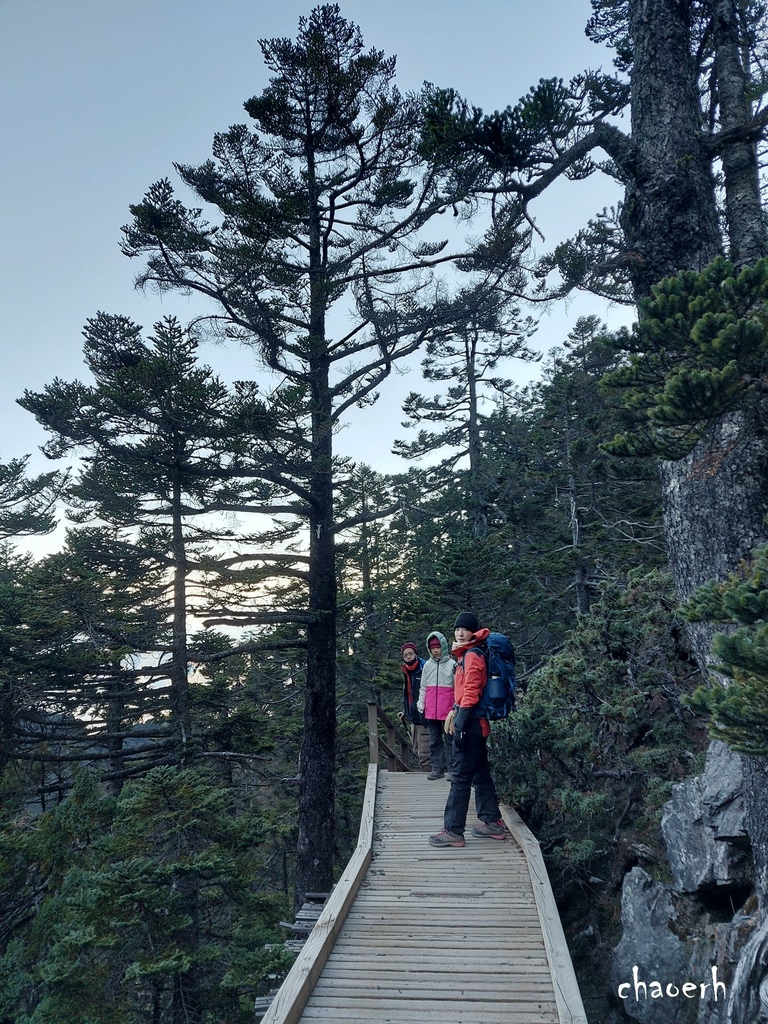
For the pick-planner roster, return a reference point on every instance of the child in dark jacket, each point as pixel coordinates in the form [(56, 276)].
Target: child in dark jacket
[(436, 702), (412, 668)]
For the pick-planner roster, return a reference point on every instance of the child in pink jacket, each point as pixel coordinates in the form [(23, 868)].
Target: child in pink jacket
[(436, 701)]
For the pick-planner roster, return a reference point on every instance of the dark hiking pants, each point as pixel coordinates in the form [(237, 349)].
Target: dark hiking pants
[(471, 768)]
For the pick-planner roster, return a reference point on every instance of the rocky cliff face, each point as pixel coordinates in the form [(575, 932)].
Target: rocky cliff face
[(703, 828), (692, 951)]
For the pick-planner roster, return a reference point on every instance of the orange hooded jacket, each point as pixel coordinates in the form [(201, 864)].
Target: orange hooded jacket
[(471, 676)]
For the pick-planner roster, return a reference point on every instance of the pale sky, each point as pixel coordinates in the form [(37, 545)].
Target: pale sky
[(99, 97)]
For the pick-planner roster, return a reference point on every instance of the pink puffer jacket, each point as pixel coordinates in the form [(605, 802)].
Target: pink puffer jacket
[(436, 693)]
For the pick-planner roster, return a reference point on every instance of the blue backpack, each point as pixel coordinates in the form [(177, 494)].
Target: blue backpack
[(498, 697)]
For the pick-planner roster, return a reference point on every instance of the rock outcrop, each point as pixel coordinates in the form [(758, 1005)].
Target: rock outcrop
[(649, 950), (703, 827), (688, 937)]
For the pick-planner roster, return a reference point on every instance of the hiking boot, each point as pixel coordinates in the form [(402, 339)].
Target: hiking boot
[(435, 775), (490, 830), (447, 838)]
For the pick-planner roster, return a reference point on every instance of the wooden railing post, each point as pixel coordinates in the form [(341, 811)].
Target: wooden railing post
[(392, 744), (405, 749), (377, 746), (567, 995), (373, 732)]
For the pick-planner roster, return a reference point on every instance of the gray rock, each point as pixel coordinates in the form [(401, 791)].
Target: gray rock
[(649, 950), (722, 795), (675, 934), (717, 944), (748, 1003), (668, 940), (703, 826), (695, 860)]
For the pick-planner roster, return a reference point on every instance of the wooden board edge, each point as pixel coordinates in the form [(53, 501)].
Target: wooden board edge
[(292, 996), (570, 1006)]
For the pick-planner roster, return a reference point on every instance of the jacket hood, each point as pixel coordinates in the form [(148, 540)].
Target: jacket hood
[(445, 647), (476, 639)]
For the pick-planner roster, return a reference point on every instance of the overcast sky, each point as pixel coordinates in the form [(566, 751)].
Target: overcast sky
[(99, 97)]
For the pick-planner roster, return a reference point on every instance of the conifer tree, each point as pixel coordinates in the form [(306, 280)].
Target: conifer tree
[(370, 571), (739, 712), (69, 623), (565, 515), (467, 360), (692, 108), (695, 356), (685, 74), (155, 435), (150, 906), (316, 212), (72, 622), (27, 505), (610, 508)]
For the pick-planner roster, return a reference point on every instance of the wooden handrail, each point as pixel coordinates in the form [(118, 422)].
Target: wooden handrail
[(288, 1005), (377, 746), (570, 1007)]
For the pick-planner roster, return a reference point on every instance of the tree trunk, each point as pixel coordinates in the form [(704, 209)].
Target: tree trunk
[(715, 499), (315, 847), (746, 227), (317, 809), (115, 723), (9, 713), (182, 719), (186, 1004), (669, 216), (581, 573), (476, 498)]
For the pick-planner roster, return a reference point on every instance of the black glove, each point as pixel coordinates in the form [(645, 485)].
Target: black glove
[(460, 723), (462, 719)]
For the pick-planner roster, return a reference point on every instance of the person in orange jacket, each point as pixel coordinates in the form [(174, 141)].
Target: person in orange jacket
[(470, 742)]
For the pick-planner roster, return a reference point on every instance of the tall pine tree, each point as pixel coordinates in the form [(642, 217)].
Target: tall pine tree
[(159, 437), (314, 257)]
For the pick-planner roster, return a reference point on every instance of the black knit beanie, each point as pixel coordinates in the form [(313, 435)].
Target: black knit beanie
[(468, 620)]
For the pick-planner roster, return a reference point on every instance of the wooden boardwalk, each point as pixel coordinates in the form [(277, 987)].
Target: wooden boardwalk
[(418, 935)]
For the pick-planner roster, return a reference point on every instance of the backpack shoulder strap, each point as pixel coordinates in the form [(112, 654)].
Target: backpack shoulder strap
[(483, 650)]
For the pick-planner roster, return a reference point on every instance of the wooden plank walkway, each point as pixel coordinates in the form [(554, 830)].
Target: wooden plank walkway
[(456, 936)]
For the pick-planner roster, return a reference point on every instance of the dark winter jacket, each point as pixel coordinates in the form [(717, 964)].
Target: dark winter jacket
[(411, 686)]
